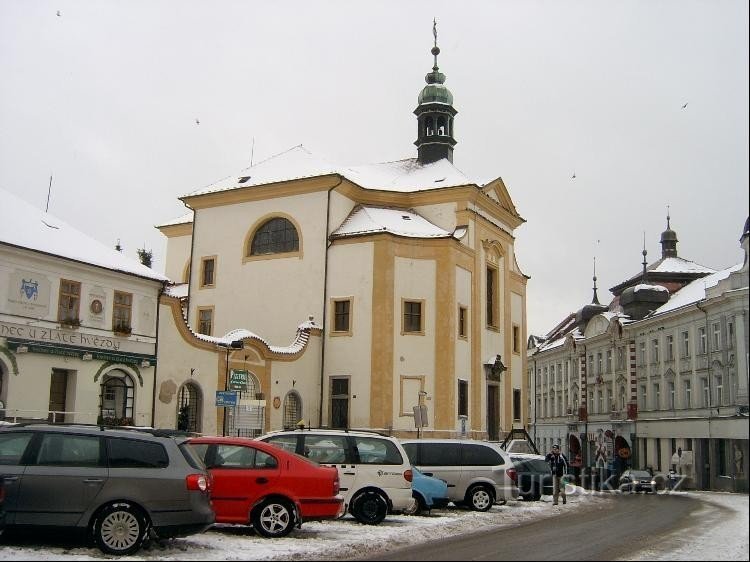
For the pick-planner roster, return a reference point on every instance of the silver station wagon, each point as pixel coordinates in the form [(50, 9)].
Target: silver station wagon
[(117, 484)]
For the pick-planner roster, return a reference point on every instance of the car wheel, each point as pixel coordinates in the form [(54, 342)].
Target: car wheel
[(480, 498), (120, 529), (536, 494), (369, 508), (273, 518)]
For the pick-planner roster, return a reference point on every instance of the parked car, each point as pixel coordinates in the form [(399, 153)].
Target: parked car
[(534, 476), (116, 484), (479, 473), (374, 470), (255, 483), (637, 481), (428, 491)]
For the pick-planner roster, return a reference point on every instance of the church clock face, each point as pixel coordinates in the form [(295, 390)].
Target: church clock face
[(96, 306)]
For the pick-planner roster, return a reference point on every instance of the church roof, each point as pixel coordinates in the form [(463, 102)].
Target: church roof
[(371, 220), (299, 163), (24, 226), (666, 269)]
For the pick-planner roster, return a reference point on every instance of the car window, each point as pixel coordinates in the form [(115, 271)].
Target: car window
[(538, 465), (411, 452), (323, 449), (194, 456), (480, 455), (372, 450), (264, 460), (439, 454), (233, 456), (132, 453), (286, 442), (12, 447), (199, 450), (60, 449)]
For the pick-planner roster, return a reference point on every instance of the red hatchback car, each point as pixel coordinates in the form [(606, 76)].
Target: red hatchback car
[(258, 484)]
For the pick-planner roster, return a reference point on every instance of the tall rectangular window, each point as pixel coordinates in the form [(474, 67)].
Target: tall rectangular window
[(705, 393), (492, 320), (730, 335), (206, 321), (517, 404), (670, 395), (462, 319), (686, 344), (719, 390), (642, 352), (702, 340), (609, 361), (208, 272), (340, 402), (670, 348), (657, 397), (516, 339), (122, 312), (620, 358), (716, 336), (69, 302), (655, 350), (642, 397), (412, 317), (463, 397), (688, 398), (342, 315), (599, 369)]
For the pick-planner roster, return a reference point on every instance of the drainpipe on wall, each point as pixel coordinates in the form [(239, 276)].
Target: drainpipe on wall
[(325, 300), (707, 464), (190, 265), (156, 354)]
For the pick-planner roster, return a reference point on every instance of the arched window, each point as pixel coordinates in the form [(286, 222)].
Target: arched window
[(117, 396), (429, 126), (275, 236), (441, 129), (189, 408), (292, 410)]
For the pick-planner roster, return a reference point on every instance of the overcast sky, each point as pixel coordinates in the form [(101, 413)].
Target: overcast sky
[(104, 96)]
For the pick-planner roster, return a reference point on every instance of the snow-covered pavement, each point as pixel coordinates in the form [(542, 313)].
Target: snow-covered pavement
[(346, 539)]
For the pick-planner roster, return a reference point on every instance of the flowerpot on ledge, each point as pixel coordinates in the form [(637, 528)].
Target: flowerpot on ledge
[(122, 330)]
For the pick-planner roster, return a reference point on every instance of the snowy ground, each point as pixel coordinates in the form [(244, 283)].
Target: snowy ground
[(346, 539)]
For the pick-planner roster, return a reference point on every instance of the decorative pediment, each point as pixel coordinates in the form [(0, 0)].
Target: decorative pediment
[(670, 374), (621, 379), (597, 325), (497, 191)]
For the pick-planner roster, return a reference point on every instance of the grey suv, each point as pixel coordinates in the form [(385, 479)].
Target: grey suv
[(117, 484)]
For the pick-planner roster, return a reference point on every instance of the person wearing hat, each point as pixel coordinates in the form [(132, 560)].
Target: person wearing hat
[(558, 466)]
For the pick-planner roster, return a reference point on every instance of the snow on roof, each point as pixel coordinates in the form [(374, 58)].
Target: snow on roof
[(300, 339), (187, 218), (25, 226), (695, 291), (368, 220), (646, 287), (179, 291), (298, 163), (678, 265), (406, 175)]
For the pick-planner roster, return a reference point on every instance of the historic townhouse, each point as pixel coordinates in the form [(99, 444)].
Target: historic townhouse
[(77, 324), (659, 378), (396, 284)]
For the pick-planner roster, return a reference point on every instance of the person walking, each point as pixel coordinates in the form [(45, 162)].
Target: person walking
[(558, 466)]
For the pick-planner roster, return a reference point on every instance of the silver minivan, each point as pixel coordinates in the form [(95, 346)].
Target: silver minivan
[(479, 473)]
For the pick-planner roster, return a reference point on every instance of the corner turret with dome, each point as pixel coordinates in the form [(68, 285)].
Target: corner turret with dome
[(435, 113)]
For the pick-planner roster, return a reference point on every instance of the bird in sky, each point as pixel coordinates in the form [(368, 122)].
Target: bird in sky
[(197, 122), (573, 176), (685, 105), (58, 13)]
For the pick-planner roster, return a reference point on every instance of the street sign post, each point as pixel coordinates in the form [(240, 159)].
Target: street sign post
[(226, 398)]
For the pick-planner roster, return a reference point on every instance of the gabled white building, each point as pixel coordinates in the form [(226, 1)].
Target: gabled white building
[(77, 323)]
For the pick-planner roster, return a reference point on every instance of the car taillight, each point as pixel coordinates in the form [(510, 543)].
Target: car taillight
[(513, 474), (336, 487), (408, 475), (197, 482)]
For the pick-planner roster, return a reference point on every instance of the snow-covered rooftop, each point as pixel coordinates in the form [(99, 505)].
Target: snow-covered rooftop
[(369, 220), (184, 219), (298, 163), (678, 265), (695, 291), (25, 226)]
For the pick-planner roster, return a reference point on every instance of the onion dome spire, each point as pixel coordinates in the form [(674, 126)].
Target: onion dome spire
[(668, 241), (435, 114)]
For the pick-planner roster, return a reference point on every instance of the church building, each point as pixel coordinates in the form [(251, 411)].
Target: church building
[(383, 296)]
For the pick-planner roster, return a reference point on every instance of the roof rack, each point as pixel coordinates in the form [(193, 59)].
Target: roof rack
[(157, 432)]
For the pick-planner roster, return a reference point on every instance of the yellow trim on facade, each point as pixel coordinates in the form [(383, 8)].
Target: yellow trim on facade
[(332, 332), (177, 230)]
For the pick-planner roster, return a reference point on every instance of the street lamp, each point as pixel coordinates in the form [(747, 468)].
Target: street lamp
[(236, 344)]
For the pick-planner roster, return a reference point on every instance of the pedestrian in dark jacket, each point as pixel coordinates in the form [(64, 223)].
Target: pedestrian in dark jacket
[(558, 466)]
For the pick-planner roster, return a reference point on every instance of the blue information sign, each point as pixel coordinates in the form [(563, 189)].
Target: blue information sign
[(226, 398)]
